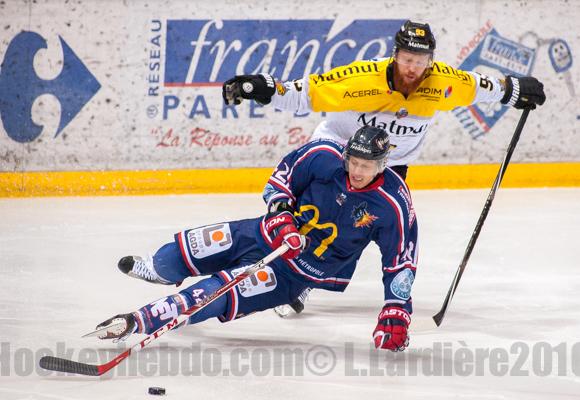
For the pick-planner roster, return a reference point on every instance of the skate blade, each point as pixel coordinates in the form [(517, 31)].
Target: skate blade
[(103, 331)]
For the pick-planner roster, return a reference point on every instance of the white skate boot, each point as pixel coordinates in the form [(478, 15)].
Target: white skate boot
[(141, 268), (297, 305)]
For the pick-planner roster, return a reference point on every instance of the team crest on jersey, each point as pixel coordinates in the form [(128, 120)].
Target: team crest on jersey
[(362, 217), (402, 113), (208, 240)]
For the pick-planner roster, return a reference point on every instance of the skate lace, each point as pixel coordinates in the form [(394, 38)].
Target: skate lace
[(142, 269), (304, 295)]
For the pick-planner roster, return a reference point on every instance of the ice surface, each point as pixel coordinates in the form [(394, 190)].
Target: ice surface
[(519, 300)]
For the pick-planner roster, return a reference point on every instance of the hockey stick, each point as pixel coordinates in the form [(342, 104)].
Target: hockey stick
[(64, 365), (438, 318)]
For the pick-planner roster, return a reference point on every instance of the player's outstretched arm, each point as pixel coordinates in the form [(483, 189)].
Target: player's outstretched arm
[(518, 92), (398, 242), (288, 96)]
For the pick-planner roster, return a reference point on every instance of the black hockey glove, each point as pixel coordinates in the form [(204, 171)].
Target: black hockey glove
[(252, 87), (524, 92)]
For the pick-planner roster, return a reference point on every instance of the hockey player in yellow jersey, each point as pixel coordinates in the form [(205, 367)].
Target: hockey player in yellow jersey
[(401, 94)]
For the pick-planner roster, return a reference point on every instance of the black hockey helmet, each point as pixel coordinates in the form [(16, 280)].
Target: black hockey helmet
[(415, 37), (369, 143)]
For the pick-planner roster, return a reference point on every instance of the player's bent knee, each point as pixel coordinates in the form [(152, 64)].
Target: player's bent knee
[(168, 263)]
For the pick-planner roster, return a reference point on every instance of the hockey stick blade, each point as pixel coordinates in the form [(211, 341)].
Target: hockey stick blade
[(73, 367), (438, 318), (64, 365)]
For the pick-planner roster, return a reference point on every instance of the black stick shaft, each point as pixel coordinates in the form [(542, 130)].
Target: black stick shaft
[(438, 318)]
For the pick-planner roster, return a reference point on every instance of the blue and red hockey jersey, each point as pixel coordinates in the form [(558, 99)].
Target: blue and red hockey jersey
[(341, 221)]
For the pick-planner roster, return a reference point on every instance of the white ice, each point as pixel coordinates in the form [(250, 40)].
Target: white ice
[(519, 300)]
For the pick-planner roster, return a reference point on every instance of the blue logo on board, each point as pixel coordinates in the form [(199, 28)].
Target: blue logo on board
[(205, 51), (20, 86), (495, 55)]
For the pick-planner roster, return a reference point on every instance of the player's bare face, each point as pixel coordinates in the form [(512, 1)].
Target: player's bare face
[(410, 67), (361, 172)]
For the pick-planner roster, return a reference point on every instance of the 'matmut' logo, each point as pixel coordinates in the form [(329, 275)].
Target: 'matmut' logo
[(394, 127), (345, 72), (20, 86), (419, 45), (446, 69)]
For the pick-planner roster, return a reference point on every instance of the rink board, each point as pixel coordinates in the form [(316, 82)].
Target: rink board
[(137, 85), (82, 183)]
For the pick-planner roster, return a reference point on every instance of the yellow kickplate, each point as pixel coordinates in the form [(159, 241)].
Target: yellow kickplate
[(96, 183)]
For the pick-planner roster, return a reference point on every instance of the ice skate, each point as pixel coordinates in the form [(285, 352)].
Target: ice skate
[(141, 268), (118, 328), (297, 305)]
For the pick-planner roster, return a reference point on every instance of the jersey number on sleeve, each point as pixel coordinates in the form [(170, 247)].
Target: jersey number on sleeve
[(485, 83), (281, 175)]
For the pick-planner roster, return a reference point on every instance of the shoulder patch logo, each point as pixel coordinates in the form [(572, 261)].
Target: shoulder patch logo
[(344, 72), (362, 217), (402, 283)]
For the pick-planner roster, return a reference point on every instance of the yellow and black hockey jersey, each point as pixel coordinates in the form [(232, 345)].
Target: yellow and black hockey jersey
[(361, 93)]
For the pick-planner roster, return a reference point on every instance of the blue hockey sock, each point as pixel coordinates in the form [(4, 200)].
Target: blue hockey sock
[(169, 264), (154, 315)]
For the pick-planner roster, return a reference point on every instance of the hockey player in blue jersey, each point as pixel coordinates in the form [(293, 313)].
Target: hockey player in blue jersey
[(327, 203), (403, 94)]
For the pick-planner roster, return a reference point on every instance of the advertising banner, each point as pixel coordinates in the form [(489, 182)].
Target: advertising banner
[(136, 85)]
